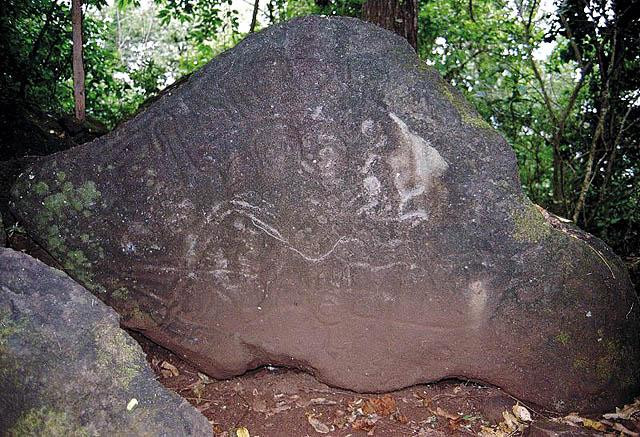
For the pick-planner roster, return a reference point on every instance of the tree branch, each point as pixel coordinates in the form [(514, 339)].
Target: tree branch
[(254, 17)]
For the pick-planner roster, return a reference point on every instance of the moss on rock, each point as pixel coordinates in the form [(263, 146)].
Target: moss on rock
[(117, 354), (467, 115), (41, 188), (529, 225), (46, 422), (62, 203), (8, 327)]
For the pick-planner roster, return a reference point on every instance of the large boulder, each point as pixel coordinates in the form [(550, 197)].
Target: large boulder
[(3, 235), (66, 367), (318, 198)]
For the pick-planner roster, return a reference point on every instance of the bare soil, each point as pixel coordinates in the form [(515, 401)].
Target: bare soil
[(285, 402)]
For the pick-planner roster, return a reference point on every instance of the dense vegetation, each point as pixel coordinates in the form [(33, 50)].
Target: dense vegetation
[(560, 80)]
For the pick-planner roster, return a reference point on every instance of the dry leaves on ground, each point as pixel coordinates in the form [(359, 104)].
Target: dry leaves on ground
[(168, 370), (382, 406), (242, 432), (612, 423), (514, 423), (318, 425), (361, 414)]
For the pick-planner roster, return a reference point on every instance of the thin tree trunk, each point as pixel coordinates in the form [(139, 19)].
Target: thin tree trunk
[(36, 48), (607, 76), (586, 182), (559, 123), (612, 157), (254, 17), (78, 68), (399, 16)]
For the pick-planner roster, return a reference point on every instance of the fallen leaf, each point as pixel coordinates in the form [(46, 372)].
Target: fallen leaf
[(319, 426), (511, 421), (444, 413), (205, 379), (341, 419), (624, 430), (572, 419), (594, 424), (242, 432), (382, 406), (625, 412), (168, 370), (321, 401), (132, 404), (198, 390), (521, 413), (400, 418), (364, 424), (486, 431)]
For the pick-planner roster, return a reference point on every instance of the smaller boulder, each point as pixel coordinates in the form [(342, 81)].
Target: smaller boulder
[(66, 367)]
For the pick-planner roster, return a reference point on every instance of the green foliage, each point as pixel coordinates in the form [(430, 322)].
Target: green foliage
[(35, 54)]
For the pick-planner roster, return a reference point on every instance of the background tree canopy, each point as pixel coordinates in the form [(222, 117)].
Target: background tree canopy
[(561, 80)]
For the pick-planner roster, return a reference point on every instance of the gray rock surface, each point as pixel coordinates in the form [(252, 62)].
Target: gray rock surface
[(318, 198), (68, 369)]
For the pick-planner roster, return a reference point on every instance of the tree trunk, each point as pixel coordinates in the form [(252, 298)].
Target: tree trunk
[(586, 182), (399, 16), (254, 17), (78, 68), (559, 200)]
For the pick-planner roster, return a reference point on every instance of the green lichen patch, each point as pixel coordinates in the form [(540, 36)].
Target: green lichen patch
[(63, 204), (57, 205), (140, 318), (529, 225), (9, 327), (608, 364), (41, 188), (121, 293), (563, 338), (117, 354), (580, 364), (88, 194), (46, 422), (467, 115)]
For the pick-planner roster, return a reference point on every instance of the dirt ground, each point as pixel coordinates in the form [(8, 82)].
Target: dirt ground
[(285, 402), (273, 402)]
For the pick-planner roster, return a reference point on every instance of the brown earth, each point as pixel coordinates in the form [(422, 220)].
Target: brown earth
[(283, 402), (273, 402)]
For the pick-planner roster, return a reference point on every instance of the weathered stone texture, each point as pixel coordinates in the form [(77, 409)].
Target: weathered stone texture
[(66, 367), (318, 198), (3, 235)]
